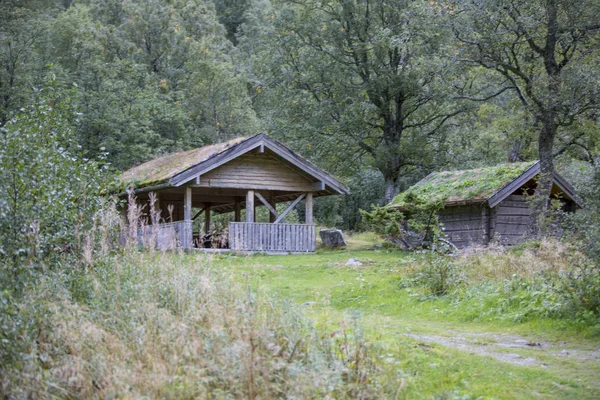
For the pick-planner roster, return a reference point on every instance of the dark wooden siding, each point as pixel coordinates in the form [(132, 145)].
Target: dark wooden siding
[(511, 221), (464, 225)]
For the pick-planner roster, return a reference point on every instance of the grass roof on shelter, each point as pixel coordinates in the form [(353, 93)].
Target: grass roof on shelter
[(163, 168), (465, 186)]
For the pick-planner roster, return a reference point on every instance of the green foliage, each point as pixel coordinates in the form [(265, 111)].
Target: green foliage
[(397, 223), (48, 191), (364, 88), (455, 186), (439, 274), (366, 188), (191, 329), (579, 289)]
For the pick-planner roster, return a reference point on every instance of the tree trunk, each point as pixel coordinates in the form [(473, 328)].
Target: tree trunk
[(544, 187), (391, 189), (514, 154)]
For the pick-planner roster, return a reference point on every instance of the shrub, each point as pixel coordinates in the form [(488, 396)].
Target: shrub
[(579, 289), (438, 274), (168, 325), (48, 191)]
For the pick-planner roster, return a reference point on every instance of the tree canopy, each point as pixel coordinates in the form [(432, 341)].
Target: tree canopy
[(380, 93)]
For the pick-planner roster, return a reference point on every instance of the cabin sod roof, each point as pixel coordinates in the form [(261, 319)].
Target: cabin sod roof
[(462, 187), (162, 169), (177, 169)]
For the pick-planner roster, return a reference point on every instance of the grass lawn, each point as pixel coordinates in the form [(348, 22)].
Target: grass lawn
[(444, 349)]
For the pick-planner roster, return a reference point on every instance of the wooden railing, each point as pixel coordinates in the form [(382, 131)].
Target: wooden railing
[(166, 236), (251, 236)]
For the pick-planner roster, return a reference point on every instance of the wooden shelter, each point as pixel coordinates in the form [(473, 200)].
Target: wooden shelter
[(487, 204), (230, 177)]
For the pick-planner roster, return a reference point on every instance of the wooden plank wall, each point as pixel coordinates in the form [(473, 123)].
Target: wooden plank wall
[(166, 236), (463, 225), (258, 172), (246, 236), (511, 221)]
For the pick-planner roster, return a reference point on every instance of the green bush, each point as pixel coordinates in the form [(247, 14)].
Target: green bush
[(579, 289), (439, 275), (49, 192)]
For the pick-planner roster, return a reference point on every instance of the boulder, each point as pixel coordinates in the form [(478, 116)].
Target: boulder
[(353, 262), (332, 238)]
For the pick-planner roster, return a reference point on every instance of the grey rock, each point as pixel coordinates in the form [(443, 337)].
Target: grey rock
[(332, 238), (353, 262)]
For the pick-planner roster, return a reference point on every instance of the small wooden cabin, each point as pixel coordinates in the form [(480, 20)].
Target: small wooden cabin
[(489, 204), (230, 177)]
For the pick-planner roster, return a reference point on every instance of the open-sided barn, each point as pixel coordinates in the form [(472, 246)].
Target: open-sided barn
[(229, 177), (487, 204)]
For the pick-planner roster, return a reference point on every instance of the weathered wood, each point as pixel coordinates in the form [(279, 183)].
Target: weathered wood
[(474, 225), (263, 185), (245, 236), (474, 216), (520, 229), (512, 211), (317, 186), (207, 219), (187, 207), (272, 209), (256, 172), (273, 203), (517, 204), (198, 214), (287, 210), (518, 219), (237, 210), (308, 208), (514, 185), (485, 224), (250, 206)]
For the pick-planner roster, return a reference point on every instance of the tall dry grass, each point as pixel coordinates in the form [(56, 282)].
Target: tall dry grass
[(155, 324), (548, 256)]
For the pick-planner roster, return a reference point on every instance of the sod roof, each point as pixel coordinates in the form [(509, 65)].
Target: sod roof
[(164, 168), (465, 186)]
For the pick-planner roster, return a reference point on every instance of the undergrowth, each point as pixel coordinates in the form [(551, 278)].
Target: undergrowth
[(547, 279), (158, 325)]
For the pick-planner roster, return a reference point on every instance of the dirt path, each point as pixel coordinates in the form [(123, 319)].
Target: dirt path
[(514, 349)]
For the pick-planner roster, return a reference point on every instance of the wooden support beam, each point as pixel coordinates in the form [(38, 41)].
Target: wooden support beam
[(485, 223), (267, 204), (198, 214), (187, 204), (261, 148), (237, 210), (207, 219), (287, 210), (250, 206), (308, 203), (317, 186), (273, 203)]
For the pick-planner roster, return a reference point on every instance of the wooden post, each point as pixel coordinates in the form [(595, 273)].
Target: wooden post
[(485, 224), (187, 204), (207, 218), (272, 217), (308, 202), (250, 206), (238, 210), (186, 234)]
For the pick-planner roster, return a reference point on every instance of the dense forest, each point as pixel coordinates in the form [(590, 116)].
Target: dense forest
[(379, 92)]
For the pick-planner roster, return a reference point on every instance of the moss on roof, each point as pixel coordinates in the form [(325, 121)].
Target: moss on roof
[(468, 186), (164, 168)]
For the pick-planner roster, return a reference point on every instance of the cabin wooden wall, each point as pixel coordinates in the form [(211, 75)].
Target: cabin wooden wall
[(256, 172), (511, 221), (463, 225)]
